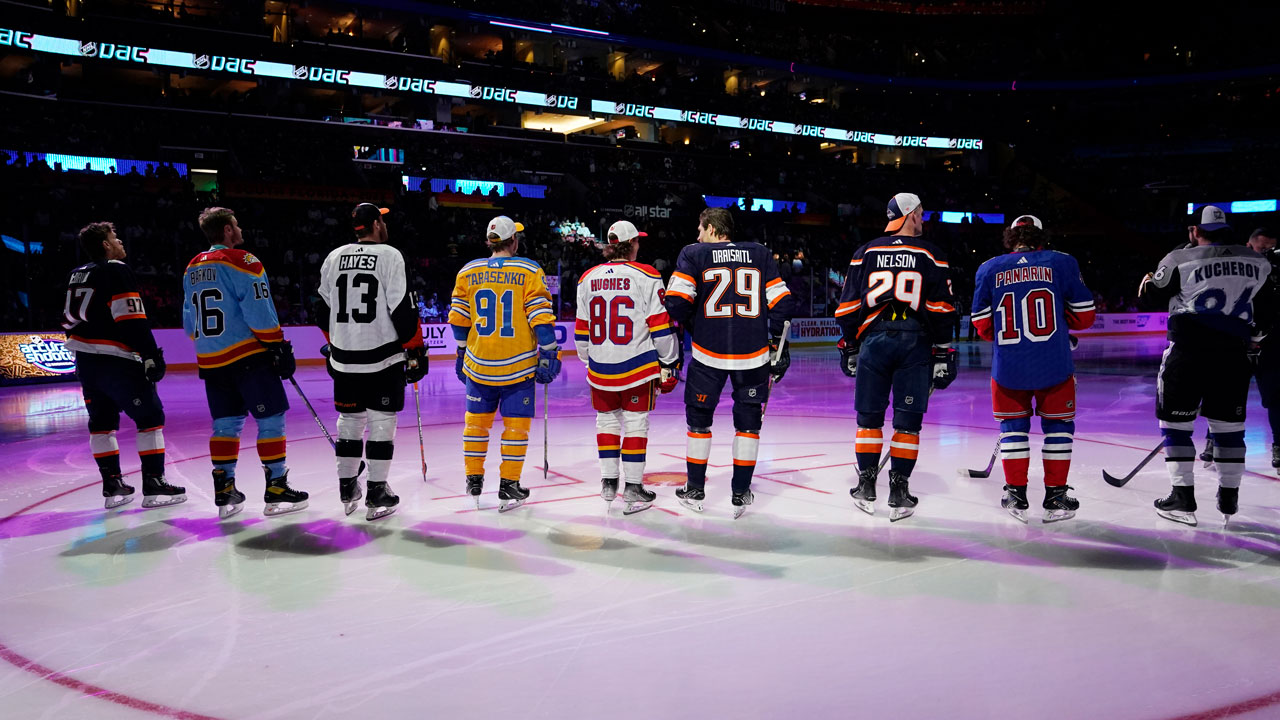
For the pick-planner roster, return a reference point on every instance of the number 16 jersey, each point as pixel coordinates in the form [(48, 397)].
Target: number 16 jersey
[(366, 311)]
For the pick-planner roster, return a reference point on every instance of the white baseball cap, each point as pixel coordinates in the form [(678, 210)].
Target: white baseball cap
[(900, 206), (1212, 217), (1027, 220), (622, 231), (504, 227)]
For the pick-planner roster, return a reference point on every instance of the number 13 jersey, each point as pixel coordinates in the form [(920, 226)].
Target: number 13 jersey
[(497, 302), (366, 310)]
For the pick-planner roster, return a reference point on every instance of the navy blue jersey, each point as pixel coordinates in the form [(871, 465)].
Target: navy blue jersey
[(733, 300), (898, 278), (103, 313), (1026, 302)]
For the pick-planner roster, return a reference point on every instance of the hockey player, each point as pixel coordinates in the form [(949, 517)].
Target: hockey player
[(118, 364), (375, 348), (731, 295), (504, 326), (1267, 355), (1210, 288), (1026, 301), (896, 315), (242, 356), (623, 336)]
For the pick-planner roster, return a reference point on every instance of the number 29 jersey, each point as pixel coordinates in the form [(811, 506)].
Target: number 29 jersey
[(366, 312), (1026, 302), (227, 307), (732, 298), (897, 279), (496, 304)]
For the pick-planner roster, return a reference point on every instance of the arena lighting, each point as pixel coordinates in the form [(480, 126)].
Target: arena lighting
[(578, 29), (1239, 206), (757, 204), (334, 76), (520, 27), (92, 163), (477, 187), (16, 245), (956, 218)]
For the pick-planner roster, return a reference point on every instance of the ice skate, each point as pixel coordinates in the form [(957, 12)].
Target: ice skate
[(1015, 501), (280, 498), (1058, 505), (349, 492), (475, 486), (902, 503), (1207, 455), (158, 493), (609, 489), (226, 497), (1180, 506), (380, 501), (637, 498), (1228, 504), (1275, 456), (740, 503), (691, 497), (864, 496), (510, 495), (115, 492)]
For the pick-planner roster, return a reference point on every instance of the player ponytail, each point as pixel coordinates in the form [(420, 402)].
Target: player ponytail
[(1028, 236)]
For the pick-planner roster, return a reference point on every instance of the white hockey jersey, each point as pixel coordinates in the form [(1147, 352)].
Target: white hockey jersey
[(366, 312), (622, 331)]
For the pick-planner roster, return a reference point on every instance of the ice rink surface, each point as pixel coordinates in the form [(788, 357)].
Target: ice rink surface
[(803, 608)]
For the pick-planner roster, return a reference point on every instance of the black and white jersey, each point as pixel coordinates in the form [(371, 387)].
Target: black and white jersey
[(366, 311), (1210, 290), (103, 312)]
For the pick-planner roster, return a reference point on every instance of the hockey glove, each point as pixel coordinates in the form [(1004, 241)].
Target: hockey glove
[(153, 366), (282, 358), (848, 358), (670, 378), (457, 366), (1073, 341), (944, 366), (415, 364), (1254, 353), (778, 361), (548, 364)]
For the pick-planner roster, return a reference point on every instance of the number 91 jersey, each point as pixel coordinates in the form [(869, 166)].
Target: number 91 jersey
[(496, 304), (227, 307), (366, 310), (1026, 302)]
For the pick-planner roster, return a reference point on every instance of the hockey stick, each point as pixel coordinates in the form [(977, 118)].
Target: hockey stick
[(546, 463), (422, 452), (990, 466), (320, 422), (782, 344), (1119, 482)]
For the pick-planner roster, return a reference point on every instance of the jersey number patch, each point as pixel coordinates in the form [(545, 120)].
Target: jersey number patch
[(745, 282), (1039, 317), (487, 304), (367, 286), (905, 286), (82, 295), (210, 320), (609, 322)]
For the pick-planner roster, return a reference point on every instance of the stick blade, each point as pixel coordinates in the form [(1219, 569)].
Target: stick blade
[(975, 474), (1114, 481)]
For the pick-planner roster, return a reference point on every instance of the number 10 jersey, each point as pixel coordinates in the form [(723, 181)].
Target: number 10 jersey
[(366, 311)]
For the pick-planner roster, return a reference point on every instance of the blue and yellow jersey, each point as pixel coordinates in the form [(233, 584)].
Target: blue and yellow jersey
[(497, 303), (227, 307)]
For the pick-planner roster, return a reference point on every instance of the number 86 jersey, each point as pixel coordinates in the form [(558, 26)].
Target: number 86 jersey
[(623, 333)]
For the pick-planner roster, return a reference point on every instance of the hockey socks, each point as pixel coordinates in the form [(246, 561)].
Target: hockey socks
[(106, 452), (1015, 451), (608, 443), (746, 446), (381, 445), (151, 450), (698, 449), (224, 445), (515, 441), (635, 444), (350, 446), (868, 446), (1056, 452), (1228, 452), (271, 444), (475, 441), (904, 448), (1179, 451)]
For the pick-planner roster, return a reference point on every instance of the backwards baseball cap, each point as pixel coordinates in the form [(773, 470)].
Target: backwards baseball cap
[(1027, 220), (902, 205), (504, 227), (1211, 217), (365, 215), (622, 231)]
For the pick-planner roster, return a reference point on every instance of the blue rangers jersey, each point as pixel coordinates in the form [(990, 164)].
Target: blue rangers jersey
[(732, 298), (227, 307), (1026, 302)]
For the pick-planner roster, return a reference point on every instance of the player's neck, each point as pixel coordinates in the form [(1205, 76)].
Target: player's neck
[(714, 240), (503, 254)]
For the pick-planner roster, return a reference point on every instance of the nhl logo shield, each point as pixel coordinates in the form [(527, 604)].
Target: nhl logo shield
[(300, 71), (89, 49), (201, 62), (475, 91), (391, 82)]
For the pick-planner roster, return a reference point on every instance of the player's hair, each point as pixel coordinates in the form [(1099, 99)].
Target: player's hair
[(213, 220), (1025, 235), (1217, 237), (93, 235), (497, 244), (617, 251), (718, 219), (1263, 231)]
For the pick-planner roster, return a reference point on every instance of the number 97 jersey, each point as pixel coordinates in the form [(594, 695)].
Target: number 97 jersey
[(1026, 302)]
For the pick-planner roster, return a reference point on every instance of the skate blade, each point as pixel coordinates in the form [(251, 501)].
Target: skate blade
[(739, 511), (377, 513), (275, 509), (900, 513), (226, 511), (350, 507), (634, 507), (117, 501), (1051, 516), (1177, 516), (694, 505), (508, 505), (866, 506), (1208, 463), (1226, 522), (477, 499), (157, 501), (1019, 514)]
